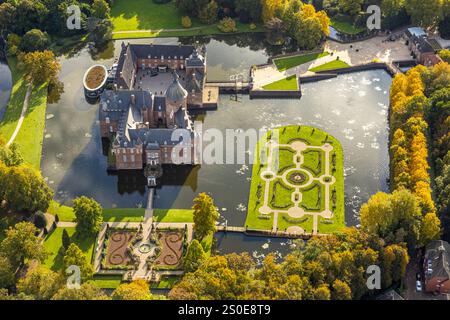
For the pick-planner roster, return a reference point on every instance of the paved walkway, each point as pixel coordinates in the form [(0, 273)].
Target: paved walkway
[(354, 54), (26, 102)]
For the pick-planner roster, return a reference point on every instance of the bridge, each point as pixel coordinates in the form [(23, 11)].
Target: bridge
[(230, 86)]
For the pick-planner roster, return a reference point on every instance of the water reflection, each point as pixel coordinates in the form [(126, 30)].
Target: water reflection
[(352, 107), (5, 86)]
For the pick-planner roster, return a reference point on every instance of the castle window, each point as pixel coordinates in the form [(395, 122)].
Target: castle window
[(124, 157), (132, 158), (107, 120)]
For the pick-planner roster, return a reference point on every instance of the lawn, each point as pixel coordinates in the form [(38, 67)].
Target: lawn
[(124, 215), (332, 65), (167, 282), (293, 61), (345, 27), (53, 245), (173, 215), (106, 281), (127, 15), (65, 213), (289, 83), (203, 30), (313, 199), (31, 134)]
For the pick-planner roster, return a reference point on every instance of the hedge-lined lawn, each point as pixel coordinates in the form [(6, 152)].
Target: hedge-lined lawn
[(65, 213), (106, 281), (173, 215), (289, 83), (345, 27), (53, 245), (124, 215), (167, 282), (290, 62), (313, 195), (332, 65)]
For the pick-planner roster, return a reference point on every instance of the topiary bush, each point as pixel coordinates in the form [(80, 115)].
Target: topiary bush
[(186, 22), (39, 220)]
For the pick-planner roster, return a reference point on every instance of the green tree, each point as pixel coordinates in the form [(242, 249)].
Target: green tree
[(65, 239), (75, 257), (195, 256), (252, 7), (100, 9), (136, 290), (445, 55), (88, 213), (87, 291), (430, 228), (205, 215), (350, 7), (101, 32), (34, 40), (10, 156), (21, 243), (341, 290), (425, 13), (208, 14), (41, 283), (7, 16), (6, 273), (391, 8)]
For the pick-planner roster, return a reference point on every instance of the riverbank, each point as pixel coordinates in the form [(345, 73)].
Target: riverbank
[(31, 134)]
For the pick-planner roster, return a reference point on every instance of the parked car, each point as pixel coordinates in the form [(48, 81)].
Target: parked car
[(418, 286)]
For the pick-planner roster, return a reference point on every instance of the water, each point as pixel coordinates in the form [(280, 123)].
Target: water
[(351, 107), (257, 247), (5, 87)]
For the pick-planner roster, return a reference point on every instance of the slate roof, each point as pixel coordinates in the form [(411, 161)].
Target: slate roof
[(114, 103), (176, 92), (438, 252), (423, 44), (415, 31)]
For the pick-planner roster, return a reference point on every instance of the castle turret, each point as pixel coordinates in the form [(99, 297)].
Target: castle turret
[(176, 98)]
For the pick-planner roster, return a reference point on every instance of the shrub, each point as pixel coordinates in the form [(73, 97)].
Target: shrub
[(227, 25), (252, 26), (34, 40), (186, 22), (40, 221)]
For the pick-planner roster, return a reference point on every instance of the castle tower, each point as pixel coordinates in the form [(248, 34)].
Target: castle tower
[(176, 98)]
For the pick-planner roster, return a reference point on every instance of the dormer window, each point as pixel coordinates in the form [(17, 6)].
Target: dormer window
[(162, 57)]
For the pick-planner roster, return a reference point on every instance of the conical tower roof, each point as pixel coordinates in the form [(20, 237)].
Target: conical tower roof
[(176, 92)]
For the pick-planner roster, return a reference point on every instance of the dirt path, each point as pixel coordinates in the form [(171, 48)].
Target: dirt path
[(26, 102)]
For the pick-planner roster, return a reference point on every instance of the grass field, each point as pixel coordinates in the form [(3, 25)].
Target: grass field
[(164, 20), (65, 213), (290, 62), (345, 27), (53, 245), (173, 215), (31, 134), (106, 281), (332, 65), (167, 282), (289, 83), (313, 199)]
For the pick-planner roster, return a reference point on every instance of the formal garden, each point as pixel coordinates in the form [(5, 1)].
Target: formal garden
[(297, 182)]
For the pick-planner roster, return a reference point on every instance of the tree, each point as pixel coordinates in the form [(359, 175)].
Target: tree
[(136, 290), (322, 293), (101, 32), (88, 213), (252, 7), (87, 291), (350, 7), (100, 9), (205, 215), (6, 273), (7, 16), (40, 221), (195, 256), (75, 257), (10, 156), (65, 239), (309, 33), (341, 290), (21, 243), (208, 14), (23, 189), (430, 228), (40, 67), (391, 8), (186, 22), (29, 14), (445, 55), (40, 282), (34, 40), (425, 13)]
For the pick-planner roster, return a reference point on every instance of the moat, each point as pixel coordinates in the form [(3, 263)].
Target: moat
[(353, 108)]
